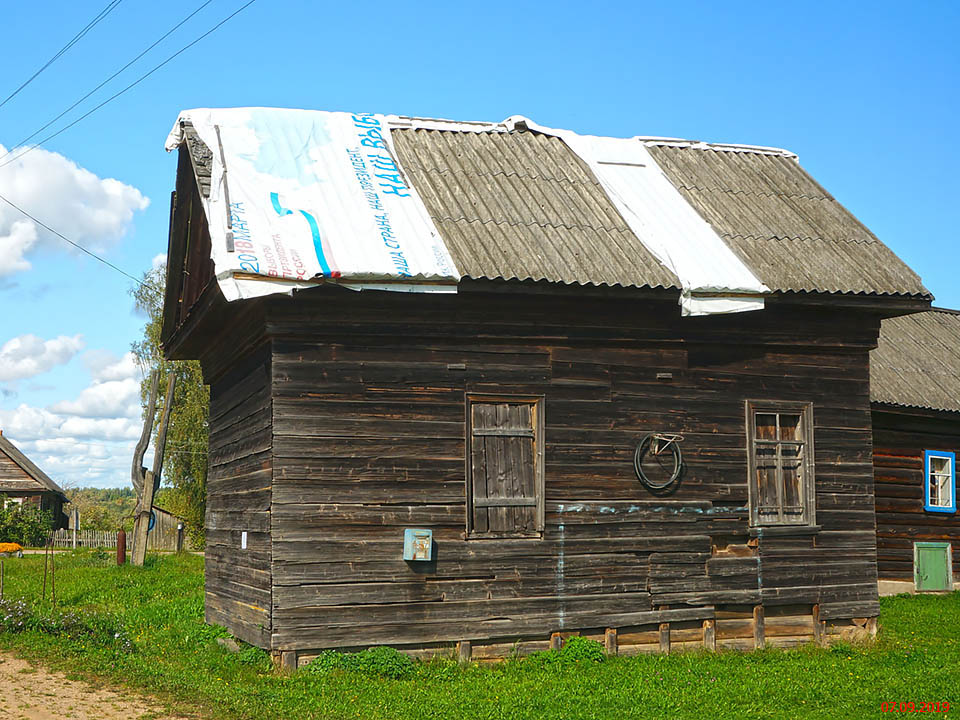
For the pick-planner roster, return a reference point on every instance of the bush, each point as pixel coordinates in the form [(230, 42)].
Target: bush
[(25, 524), (581, 649), (17, 616), (375, 662), (575, 650)]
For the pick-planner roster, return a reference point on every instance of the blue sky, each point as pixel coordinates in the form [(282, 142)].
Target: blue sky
[(866, 94)]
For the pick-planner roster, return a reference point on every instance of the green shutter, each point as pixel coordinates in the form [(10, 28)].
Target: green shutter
[(932, 566)]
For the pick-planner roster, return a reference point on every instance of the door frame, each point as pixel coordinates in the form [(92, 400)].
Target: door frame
[(916, 567)]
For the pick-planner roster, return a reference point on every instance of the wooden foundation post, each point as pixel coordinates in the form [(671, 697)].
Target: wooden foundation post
[(872, 625), (464, 652), (288, 660), (610, 641), (556, 641), (819, 627), (665, 637), (759, 639), (710, 634)]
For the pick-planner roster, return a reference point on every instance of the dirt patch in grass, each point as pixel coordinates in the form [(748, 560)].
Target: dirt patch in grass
[(32, 693)]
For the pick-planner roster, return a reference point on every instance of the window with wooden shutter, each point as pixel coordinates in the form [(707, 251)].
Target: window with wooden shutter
[(780, 463), (504, 466)]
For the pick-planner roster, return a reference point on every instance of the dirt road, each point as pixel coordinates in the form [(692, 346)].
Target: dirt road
[(33, 693)]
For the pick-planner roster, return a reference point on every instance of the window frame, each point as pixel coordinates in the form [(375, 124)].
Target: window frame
[(947, 455), (539, 484), (809, 491)]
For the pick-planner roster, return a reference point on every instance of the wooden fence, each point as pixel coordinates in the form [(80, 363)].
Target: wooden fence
[(85, 538), (164, 536)]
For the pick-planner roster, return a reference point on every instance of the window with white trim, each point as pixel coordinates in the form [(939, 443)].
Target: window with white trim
[(780, 463), (940, 481)]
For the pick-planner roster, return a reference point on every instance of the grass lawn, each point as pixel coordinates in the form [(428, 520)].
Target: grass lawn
[(143, 628)]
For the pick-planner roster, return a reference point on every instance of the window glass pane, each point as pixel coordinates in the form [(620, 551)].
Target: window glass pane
[(792, 478), (940, 465), (790, 428), (941, 482), (766, 426), (766, 458)]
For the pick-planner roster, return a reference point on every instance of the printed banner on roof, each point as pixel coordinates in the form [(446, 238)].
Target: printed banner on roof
[(298, 195)]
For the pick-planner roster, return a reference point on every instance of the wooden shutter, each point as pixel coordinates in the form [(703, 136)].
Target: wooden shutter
[(505, 480)]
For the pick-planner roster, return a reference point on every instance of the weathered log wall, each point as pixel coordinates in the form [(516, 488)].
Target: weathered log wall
[(238, 592), (900, 437), (368, 438)]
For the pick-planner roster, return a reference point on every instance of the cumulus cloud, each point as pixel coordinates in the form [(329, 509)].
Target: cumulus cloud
[(158, 261), (28, 355), (91, 210), (87, 440), (104, 365)]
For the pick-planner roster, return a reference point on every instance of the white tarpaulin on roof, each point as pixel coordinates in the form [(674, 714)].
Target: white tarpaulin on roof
[(298, 195), (713, 278)]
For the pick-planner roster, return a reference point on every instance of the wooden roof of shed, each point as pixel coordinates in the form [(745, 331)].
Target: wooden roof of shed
[(917, 361), (19, 474), (521, 205)]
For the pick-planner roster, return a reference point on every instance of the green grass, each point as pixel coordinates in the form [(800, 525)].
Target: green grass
[(175, 657)]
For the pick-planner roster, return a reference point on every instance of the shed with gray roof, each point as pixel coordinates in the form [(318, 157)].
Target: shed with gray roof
[(915, 397), (565, 450)]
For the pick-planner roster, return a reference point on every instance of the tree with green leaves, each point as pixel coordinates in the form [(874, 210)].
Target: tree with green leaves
[(185, 460)]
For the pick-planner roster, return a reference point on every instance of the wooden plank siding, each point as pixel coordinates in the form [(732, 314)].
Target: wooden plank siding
[(900, 437), (366, 435), (238, 585)]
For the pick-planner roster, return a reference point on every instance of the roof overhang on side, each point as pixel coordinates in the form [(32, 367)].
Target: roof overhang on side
[(190, 270)]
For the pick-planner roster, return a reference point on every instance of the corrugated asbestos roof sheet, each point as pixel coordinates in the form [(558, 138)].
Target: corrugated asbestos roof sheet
[(917, 361), (523, 206), (792, 234)]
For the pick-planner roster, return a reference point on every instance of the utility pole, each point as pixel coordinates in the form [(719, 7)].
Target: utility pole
[(145, 481)]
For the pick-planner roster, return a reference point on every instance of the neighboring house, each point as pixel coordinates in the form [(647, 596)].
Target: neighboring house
[(23, 482), (498, 466), (915, 394)]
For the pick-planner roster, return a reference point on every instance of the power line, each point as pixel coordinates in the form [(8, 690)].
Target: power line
[(118, 72), (133, 84), (76, 38), (76, 245)]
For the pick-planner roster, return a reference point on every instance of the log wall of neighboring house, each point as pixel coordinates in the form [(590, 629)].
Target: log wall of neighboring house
[(238, 499), (368, 438), (900, 438)]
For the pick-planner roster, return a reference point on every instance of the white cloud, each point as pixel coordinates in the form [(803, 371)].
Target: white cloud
[(27, 355), (158, 261), (92, 211), (89, 439), (104, 365), (113, 398)]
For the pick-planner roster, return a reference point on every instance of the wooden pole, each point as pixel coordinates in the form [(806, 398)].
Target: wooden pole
[(1, 579), (145, 506), (138, 471), (43, 595), (53, 576)]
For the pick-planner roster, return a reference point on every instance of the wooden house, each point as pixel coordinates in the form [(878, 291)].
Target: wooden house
[(915, 401), (586, 458), (23, 482)]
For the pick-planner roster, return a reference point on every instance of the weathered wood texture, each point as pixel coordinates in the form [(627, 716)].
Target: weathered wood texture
[(238, 500), (900, 437), (368, 437)]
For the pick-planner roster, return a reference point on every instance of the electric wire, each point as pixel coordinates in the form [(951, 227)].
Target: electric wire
[(76, 245), (118, 72), (76, 38), (131, 85)]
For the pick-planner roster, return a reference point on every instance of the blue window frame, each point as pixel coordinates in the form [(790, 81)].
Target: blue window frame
[(939, 481)]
